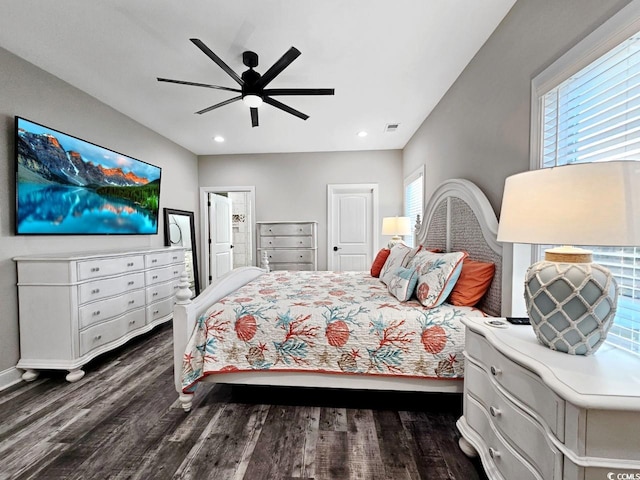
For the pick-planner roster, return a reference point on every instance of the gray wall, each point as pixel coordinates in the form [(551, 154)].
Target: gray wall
[(32, 93), (293, 186), (480, 129)]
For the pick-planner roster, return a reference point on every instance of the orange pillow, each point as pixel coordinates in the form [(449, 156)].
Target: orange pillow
[(473, 283), (378, 263)]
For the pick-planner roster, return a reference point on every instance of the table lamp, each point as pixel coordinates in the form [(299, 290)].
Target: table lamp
[(396, 226), (572, 301)]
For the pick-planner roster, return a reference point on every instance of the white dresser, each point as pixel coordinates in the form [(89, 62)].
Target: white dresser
[(533, 413), (288, 245), (75, 307)]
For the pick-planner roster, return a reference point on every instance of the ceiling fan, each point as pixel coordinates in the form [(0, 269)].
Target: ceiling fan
[(252, 85)]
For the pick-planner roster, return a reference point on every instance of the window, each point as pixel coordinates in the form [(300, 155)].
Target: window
[(413, 199), (593, 115)]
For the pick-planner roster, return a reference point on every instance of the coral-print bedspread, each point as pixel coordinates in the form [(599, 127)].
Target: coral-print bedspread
[(342, 323)]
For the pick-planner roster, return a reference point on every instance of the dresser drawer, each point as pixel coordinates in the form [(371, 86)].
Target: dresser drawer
[(508, 462), (90, 291), (159, 259), (104, 309), (160, 275), (290, 256), (112, 330), (285, 229), (291, 266), (109, 266), (516, 425), (162, 290), (522, 383), (286, 242), (160, 309)]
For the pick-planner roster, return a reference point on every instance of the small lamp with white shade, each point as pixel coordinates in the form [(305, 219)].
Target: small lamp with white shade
[(396, 226), (572, 301)]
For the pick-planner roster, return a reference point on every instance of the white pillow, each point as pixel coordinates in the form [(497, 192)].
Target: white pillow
[(396, 259), (438, 274)]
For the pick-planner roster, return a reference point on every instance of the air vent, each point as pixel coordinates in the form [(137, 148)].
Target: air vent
[(391, 127)]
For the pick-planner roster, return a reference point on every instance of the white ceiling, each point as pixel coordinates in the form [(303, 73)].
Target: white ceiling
[(389, 62)]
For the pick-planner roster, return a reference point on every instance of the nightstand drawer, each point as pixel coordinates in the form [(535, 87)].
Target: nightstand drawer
[(517, 426), (508, 462), (522, 383)]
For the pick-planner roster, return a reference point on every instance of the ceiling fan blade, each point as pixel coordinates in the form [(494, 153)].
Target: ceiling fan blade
[(198, 43), (181, 82), (284, 107), (221, 104), (254, 117), (299, 91), (278, 67)]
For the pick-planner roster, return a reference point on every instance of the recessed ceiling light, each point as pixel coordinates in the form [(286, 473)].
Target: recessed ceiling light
[(362, 133), (218, 139)]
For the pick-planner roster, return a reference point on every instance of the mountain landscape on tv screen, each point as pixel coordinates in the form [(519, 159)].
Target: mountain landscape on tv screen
[(59, 191)]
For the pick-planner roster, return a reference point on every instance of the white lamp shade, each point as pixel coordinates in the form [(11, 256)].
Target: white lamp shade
[(253, 101), (579, 204), (396, 226)]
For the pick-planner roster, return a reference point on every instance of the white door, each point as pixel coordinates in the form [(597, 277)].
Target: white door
[(352, 226), (220, 236)]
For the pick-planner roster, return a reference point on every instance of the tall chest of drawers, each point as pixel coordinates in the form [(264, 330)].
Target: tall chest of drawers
[(533, 413), (288, 245), (73, 308)]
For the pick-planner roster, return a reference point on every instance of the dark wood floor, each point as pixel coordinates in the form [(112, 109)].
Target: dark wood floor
[(122, 421)]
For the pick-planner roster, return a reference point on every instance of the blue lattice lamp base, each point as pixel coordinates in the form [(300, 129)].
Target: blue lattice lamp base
[(571, 304)]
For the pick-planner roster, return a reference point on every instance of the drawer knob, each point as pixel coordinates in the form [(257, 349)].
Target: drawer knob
[(495, 412), (95, 290), (155, 260), (155, 277), (130, 283), (175, 272), (155, 294), (132, 322), (95, 269), (495, 371), (155, 312), (130, 264), (131, 302), (96, 313), (175, 258), (97, 337), (493, 453)]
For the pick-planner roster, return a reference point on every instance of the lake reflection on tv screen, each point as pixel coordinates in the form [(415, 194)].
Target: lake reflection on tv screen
[(78, 210)]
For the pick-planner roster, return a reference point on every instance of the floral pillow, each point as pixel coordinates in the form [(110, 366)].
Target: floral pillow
[(403, 283), (395, 260), (438, 274)]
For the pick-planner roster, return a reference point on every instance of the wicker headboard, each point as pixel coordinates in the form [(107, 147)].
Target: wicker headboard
[(458, 217)]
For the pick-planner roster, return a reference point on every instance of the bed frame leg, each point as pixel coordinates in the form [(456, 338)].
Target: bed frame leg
[(185, 400)]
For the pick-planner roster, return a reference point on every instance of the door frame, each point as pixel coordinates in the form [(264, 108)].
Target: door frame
[(204, 224), (335, 188)]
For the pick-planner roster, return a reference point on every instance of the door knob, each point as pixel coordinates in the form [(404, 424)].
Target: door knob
[(335, 249)]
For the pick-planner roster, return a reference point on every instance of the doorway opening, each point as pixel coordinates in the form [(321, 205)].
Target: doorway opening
[(214, 231)]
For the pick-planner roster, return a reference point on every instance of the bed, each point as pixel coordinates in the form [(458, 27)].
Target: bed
[(338, 329)]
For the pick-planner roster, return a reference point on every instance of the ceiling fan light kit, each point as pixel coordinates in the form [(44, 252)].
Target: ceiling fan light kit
[(252, 85)]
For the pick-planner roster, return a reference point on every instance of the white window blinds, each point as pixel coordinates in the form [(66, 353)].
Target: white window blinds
[(594, 116), (413, 204)]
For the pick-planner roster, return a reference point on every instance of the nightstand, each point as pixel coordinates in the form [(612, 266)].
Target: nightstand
[(533, 413)]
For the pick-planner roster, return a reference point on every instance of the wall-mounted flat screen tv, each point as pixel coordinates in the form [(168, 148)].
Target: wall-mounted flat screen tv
[(68, 186)]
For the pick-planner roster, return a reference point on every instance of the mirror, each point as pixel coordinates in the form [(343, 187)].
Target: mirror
[(179, 231)]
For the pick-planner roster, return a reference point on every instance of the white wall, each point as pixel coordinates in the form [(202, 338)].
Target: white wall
[(32, 93), (293, 186)]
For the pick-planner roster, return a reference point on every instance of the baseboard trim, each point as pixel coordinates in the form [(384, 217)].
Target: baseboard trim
[(10, 377)]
